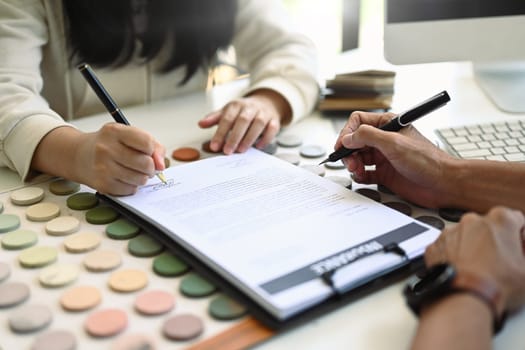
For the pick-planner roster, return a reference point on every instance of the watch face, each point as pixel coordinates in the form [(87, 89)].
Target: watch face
[(435, 283), (435, 277)]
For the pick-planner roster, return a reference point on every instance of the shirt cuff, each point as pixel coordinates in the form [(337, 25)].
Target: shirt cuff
[(20, 145)]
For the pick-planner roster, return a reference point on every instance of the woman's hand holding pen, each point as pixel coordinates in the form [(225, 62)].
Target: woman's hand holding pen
[(113, 160), (118, 158), (405, 161), (254, 119)]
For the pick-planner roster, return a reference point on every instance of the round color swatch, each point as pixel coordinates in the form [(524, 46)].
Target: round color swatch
[(128, 280), (80, 298), (101, 215), (194, 286), (400, 207), (384, 189), (289, 140), (82, 201), (27, 196), (369, 193), (291, 158), (19, 239), (13, 293), (62, 187), (335, 165), (270, 148), (102, 260), (315, 169), (186, 154), (55, 340), (144, 246), (206, 147), (30, 318), (106, 323), (183, 327), (432, 221), (37, 256), (5, 271), (82, 242), (58, 275), (168, 265), (224, 308), (154, 302), (451, 214), (62, 226), (9, 222), (44, 211), (312, 151), (122, 229), (134, 341), (167, 162)]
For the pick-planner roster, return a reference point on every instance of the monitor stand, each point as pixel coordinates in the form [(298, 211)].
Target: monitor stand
[(504, 83)]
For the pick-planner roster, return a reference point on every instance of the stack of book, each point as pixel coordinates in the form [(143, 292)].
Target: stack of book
[(367, 90)]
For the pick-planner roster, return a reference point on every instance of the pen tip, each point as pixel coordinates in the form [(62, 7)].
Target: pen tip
[(161, 177), (324, 161)]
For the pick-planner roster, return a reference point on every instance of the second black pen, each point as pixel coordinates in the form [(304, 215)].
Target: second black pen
[(398, 122)]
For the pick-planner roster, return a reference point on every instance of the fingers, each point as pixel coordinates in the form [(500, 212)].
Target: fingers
[(370, 136), (507, 219), (357, 119), (500, 227), (239, 127), (241, 123), (272, 128), (122, 158), (227, 118), (158, 157), (436, 252), (210, 119)]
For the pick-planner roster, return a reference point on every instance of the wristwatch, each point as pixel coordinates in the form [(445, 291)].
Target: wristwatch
[(444, 279)]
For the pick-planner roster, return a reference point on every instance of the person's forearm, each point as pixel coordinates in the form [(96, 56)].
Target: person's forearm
[(460, 321), (479, 185), (55, 154)]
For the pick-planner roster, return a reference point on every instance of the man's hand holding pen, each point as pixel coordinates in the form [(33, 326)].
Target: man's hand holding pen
[(404, 161)]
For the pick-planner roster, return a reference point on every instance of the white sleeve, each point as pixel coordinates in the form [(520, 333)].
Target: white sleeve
[(274, 55), (25, 116)]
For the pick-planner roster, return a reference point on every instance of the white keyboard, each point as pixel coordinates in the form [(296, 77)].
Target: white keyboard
[(495, 141)]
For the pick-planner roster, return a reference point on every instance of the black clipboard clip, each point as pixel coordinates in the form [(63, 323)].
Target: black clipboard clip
[(328, 276)]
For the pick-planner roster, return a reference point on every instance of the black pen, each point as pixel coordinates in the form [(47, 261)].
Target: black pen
[(106, 99), (398, 122)]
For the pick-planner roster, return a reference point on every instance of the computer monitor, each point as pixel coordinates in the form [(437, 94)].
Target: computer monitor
[(489, 33)]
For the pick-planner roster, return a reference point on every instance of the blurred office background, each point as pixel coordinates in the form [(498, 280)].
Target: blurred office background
[(336, 26)]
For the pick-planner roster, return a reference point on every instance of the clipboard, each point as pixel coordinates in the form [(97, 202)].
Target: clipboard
[(341, 293)]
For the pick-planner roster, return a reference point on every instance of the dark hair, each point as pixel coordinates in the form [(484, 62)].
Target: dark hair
[(102, 33)]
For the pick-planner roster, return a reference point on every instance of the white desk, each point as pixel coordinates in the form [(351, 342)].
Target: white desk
[(380, 320)]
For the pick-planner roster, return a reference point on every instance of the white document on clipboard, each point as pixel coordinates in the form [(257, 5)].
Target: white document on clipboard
[(275, 230)]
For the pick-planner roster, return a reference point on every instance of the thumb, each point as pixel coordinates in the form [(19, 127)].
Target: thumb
[(210, 120)]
